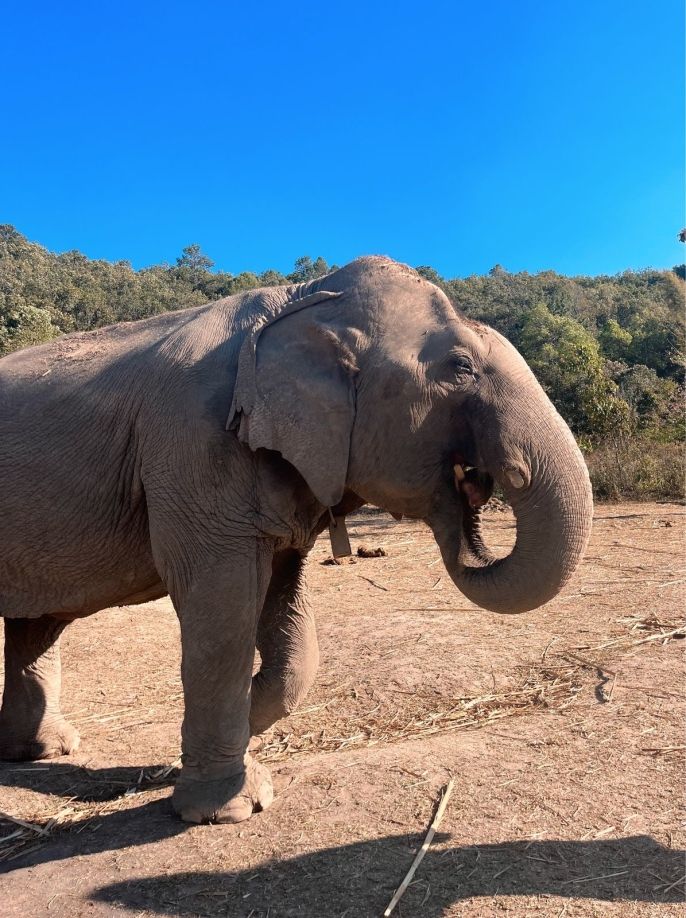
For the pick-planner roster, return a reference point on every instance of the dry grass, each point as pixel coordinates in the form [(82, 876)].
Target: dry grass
[(340, 726), (332, 727), (74, 815), (637, 469), (658, 630), (653, 629), (28, 835)]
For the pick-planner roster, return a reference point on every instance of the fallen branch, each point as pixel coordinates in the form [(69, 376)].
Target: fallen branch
[(422, 851), (662, 750), (675, 883), (663, 635), (31, 826), (590, 879), (373, 583)]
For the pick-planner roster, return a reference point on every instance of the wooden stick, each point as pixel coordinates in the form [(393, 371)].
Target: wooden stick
[(422, 851), (32, 827), (663, 634), (675, 883), (373, 583)]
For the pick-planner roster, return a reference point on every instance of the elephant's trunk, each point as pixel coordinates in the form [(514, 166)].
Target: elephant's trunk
[(549, 489)]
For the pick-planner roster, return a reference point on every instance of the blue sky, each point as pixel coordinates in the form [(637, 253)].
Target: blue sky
[(531, 134)]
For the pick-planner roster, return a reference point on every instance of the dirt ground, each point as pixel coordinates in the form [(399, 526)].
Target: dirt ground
[(562, 728)]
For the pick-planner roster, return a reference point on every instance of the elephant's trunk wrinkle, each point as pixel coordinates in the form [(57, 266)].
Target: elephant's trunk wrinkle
[(553, 516), (474, 542)]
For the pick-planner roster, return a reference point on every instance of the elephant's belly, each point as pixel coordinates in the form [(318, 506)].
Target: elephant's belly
[(75, 583), (155, 591)]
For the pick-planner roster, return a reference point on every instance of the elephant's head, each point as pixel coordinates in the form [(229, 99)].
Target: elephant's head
[(369, 381)]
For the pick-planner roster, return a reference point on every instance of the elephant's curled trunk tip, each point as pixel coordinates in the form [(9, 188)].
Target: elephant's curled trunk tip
[(553, 526)]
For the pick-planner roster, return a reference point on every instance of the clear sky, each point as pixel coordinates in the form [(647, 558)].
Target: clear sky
[(457, 134)]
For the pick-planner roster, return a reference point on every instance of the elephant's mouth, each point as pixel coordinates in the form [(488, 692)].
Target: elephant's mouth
[(475, 486), (475, 489)]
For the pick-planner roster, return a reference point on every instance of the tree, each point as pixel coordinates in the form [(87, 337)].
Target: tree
[(23, 326), (306, 269), (567, 361), (652, 401), (245, 281), (430, 274), (615, 340), (272, 278), (194, 259)]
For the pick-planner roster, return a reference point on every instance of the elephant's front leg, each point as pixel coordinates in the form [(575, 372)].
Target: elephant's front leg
[(287, 641), (219, 781)]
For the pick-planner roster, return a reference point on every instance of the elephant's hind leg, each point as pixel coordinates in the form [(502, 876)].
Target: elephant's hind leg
[(287, 641), (31, 723)]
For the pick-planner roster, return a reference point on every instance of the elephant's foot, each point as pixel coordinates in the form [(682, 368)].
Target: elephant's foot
[(202, 797), (51, 739)]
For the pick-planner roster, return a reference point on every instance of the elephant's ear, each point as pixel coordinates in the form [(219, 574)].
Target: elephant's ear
[(295, 393)]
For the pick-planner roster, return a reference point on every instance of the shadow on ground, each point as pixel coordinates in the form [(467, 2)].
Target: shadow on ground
[(88, 830), (82, 784), (362, 877)]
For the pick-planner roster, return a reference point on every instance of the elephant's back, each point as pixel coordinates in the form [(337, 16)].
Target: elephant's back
[(71, 358)]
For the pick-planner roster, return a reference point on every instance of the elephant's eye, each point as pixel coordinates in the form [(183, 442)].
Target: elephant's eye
[(461, 364)]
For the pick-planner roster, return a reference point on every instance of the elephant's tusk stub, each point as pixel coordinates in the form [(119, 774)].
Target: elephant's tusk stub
[(516, 478)]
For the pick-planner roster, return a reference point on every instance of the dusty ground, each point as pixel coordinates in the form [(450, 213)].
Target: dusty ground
[(563, 730)]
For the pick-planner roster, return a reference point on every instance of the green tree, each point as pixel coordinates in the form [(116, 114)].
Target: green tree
[(430, 274), (306, 269), (194, 259), (567, 361), (614, 340), (23, 326), (655, 404), (609, 350), (245, 281), (272, 278)]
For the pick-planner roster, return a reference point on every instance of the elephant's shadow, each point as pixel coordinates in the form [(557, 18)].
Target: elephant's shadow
[(84, 834), (360, 876), (359, 879), (82, 784)]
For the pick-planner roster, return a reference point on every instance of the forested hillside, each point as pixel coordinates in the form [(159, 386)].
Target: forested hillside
[(608, 350)]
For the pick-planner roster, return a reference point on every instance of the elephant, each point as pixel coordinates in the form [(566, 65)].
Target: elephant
[(199, 454)]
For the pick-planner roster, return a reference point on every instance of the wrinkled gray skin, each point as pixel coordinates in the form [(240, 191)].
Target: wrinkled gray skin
[(196, 454)]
